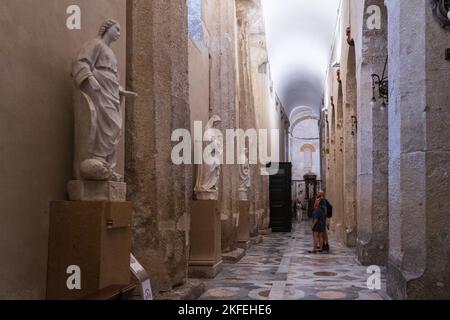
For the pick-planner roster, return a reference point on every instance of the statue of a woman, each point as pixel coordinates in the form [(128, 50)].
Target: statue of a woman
[(244, 175), (208, 175), (96, 75)]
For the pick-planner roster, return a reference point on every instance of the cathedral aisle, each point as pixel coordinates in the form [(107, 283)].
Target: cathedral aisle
[(281, 269)]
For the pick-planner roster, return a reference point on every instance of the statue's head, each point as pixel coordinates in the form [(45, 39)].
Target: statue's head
[(111, 29)]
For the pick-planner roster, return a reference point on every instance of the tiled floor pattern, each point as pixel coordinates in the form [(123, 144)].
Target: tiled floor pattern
[(281, 268)]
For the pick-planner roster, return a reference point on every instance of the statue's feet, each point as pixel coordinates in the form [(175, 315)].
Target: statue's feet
[(116, 177), (97, 170)]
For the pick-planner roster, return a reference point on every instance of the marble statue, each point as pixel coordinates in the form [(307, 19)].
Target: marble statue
[(98, 113), (244, 174), (208, 175)]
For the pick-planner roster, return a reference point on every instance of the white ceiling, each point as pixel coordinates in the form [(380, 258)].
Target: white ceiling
[(300, 35)]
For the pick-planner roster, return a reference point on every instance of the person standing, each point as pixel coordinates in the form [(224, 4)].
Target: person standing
[(318, 227), (328, 210)]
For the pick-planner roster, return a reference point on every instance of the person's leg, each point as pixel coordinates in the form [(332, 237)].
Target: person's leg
[(315, 242), (325, 236), (321, 244)]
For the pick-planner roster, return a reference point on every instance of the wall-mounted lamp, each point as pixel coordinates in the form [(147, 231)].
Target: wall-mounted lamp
[(354, 125), (383, 88), (350, 40), (441, 10), (336, 65)]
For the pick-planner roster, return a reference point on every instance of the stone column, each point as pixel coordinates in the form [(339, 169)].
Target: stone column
[(246, 100), (350, 132), (222, 26), (372, 164), (338, 210), (161, 192), (419, 150), (259, 85)]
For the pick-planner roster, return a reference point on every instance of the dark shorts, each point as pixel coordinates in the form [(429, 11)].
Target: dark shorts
[(319, 228)]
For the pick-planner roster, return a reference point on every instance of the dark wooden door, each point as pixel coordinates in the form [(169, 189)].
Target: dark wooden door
[(281, 199)]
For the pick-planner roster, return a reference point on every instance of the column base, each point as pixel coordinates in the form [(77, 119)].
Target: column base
[(371, 253), (234, 256), (198, 270), (265, 232), (192, 290), (403, 286), (244, 244), (256, 240)]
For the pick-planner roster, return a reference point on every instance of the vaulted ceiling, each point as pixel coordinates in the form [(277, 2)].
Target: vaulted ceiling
[(300, 36)]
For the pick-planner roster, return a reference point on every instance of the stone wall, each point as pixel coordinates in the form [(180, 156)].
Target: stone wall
[(36, 126)]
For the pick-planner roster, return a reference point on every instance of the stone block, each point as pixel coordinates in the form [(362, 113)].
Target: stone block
[(96, 237), (205, 260), (80, 190), (234, 256)]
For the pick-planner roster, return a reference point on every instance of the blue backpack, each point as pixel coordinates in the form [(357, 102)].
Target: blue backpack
[(329, 209)]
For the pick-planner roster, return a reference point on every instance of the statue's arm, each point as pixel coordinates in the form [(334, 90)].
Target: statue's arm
[(126, 93), (84, 65)]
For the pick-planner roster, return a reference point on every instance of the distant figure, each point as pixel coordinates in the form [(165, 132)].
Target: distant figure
[(299, 207), (326, 207), (318, 228)]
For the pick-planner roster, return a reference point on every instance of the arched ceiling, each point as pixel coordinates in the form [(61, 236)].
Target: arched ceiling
[(300, 35)]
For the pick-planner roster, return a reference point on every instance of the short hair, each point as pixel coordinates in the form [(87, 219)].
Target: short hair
[(106, 26)]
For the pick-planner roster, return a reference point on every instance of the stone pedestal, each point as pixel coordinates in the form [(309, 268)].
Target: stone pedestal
[(234, 256), (244, 225), (79, 190), (256, 240), (205, 260), (265, 232), (96, 237)]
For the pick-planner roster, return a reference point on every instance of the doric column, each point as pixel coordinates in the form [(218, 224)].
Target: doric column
[(372, 178), (157, 51), (419, 153)]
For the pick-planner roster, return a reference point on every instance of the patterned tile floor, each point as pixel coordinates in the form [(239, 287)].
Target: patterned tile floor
[(280, 268)]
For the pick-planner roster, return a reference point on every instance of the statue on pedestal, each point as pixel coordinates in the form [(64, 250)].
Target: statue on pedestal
[(244, 174), (98, 113), (208, 175)]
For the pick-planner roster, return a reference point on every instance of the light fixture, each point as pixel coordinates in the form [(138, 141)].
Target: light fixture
[(383, 88), (441, 10), (350, 40)]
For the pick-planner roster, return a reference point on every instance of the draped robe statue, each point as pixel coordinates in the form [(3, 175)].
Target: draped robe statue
[(98, 113), (244, 175), (208, 175)]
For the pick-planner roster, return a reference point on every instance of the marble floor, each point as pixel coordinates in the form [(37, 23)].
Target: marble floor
[(281, 268)]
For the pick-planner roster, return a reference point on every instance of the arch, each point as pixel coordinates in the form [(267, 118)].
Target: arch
[(308, 147)]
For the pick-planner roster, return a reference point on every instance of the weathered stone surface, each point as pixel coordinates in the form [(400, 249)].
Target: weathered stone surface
[(234, 256), (192, 290), (372, 180), (96, 191), (419, 155), (160, 191), (220, 22), (205, 255)]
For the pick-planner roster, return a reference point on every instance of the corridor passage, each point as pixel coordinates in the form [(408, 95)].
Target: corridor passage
[(280, 268)]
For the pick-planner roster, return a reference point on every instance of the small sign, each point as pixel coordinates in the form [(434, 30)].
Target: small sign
[(139, 272)]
